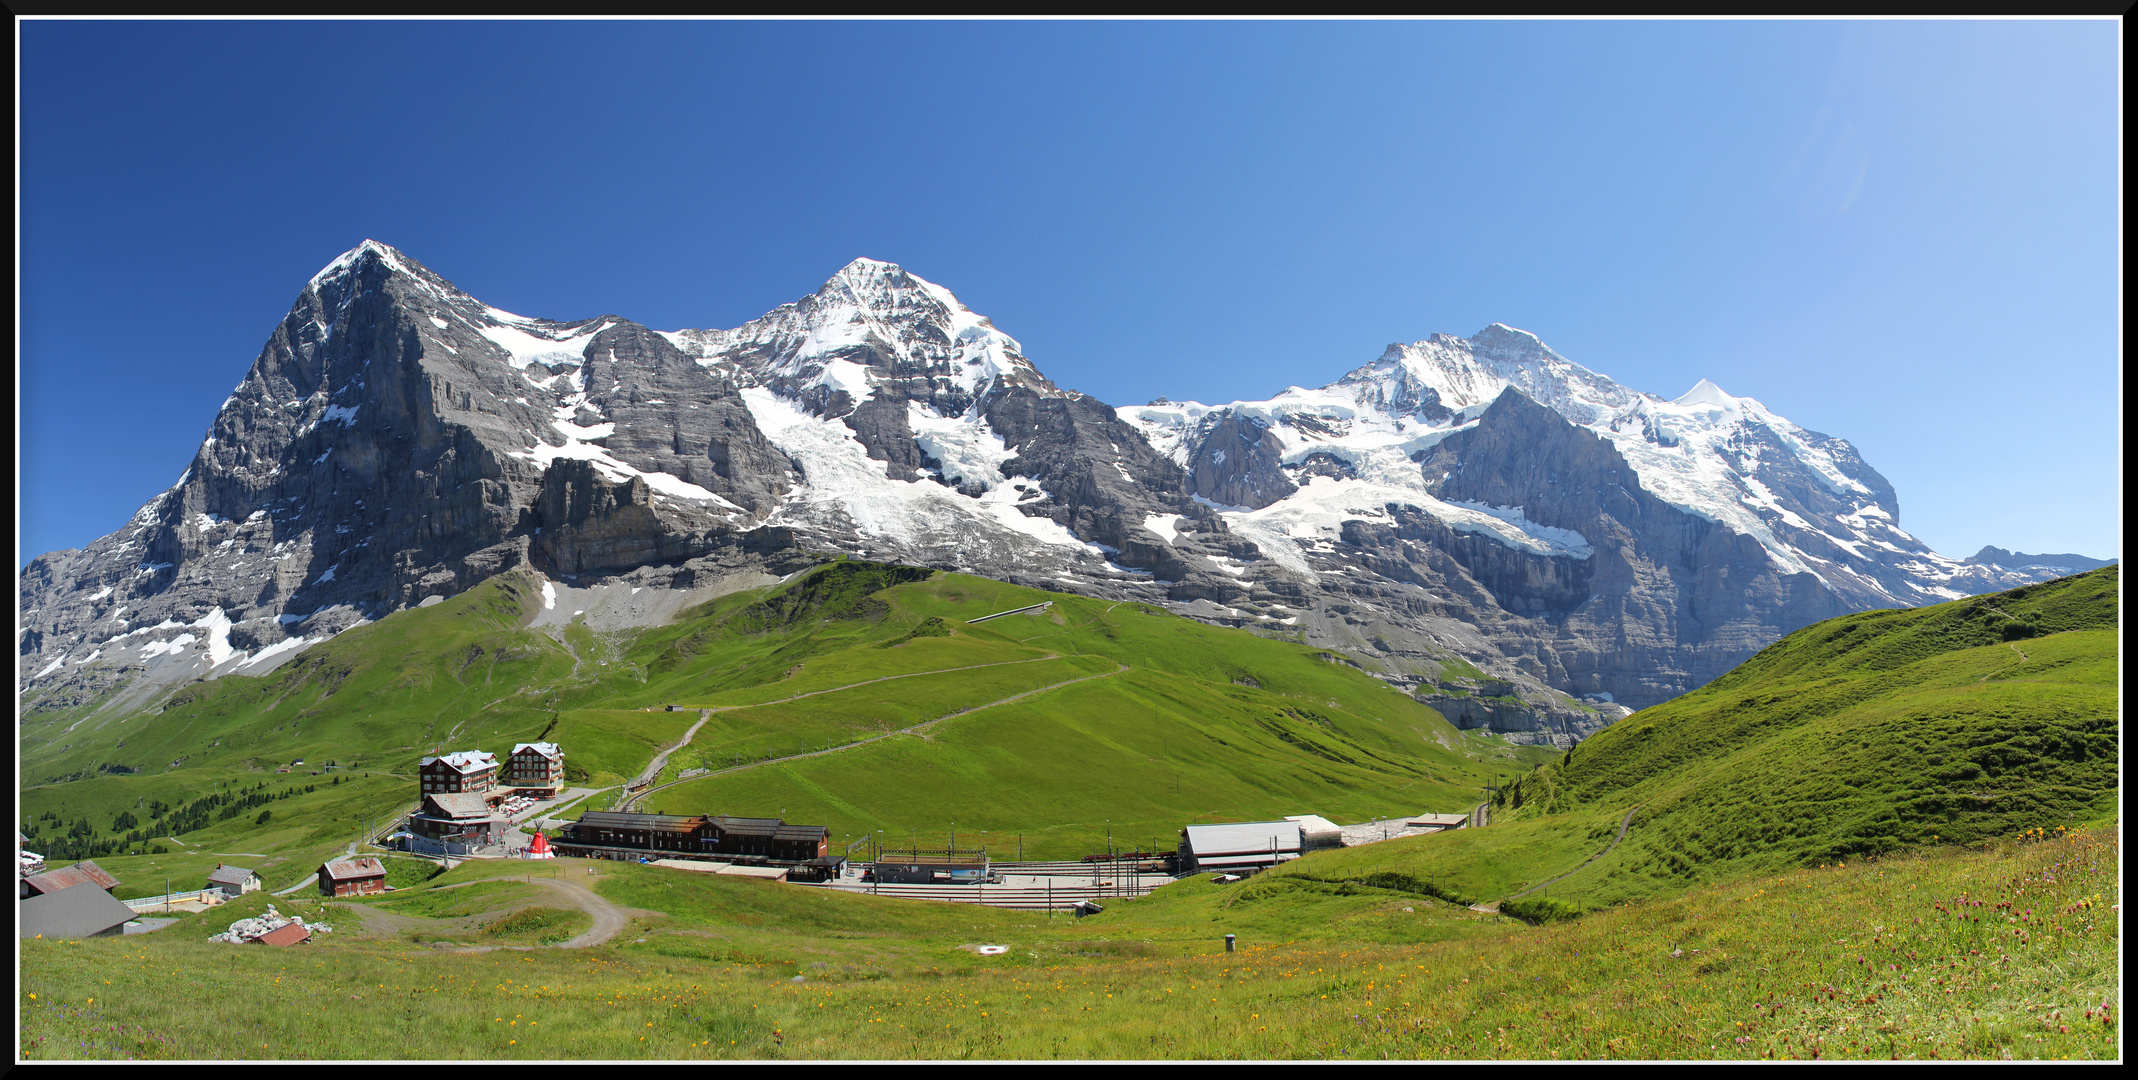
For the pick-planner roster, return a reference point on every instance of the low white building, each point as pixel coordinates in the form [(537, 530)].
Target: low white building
[(1317, 832), (1438, 822), (1244, 844)]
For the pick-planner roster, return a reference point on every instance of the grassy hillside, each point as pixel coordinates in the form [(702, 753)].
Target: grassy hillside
[(1043, 725), (2006, 949), (1870, 733), (1153, 722)]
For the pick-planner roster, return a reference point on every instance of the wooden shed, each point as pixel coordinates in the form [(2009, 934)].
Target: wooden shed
[(351, 877)]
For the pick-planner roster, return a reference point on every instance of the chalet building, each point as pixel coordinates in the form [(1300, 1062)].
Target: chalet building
[(638, 832), (765, 838), (535, 767), (78, 911), (463, 772), (67, 877), (457, 817), (233, 881), (351, 877), (604, 834)]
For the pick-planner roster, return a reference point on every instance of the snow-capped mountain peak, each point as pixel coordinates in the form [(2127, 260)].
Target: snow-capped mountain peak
[(397, 440), (1707, 393), (872, 322), (1807, 499)]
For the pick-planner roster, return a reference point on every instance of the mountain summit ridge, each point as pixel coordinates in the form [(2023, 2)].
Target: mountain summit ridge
[(398, 439)]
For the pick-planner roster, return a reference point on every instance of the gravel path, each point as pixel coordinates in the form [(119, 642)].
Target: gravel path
[(1494, 905), (609, 919), (633, 800)]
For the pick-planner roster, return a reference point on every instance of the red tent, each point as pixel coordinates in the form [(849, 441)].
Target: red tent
[(540, 848)]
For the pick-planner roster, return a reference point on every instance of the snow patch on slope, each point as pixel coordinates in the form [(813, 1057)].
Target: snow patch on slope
[(581, 442), (969, 450), (841, 479), (525, 341), (217, 626)]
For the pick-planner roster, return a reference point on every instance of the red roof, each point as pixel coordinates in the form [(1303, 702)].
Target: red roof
[(286, 934)]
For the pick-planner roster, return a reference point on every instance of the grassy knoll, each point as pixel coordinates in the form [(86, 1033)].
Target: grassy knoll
[(2001, 949), (1147, 750), (537, 926), (1864, 734), (1185, 722), (472, 899), (1175, 720)]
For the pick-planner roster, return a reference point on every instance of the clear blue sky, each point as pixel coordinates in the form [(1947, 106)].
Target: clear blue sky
[(1905, 234)]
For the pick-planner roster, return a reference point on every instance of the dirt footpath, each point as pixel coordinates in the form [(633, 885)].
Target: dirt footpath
[(609, 919)]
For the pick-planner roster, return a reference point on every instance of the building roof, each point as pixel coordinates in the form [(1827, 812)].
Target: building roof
[(612, 819), (1242, 838), (66, 877), (287, 934), (353, 869), (1425, 820), (455, 805), (692, 864), (910, 858), (546, 749), (1314, 824), (747, 826), (230, 875), (75, 912), (464, 761), (808, 833), (769, 873)]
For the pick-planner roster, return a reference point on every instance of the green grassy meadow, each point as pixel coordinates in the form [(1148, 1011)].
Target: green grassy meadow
[(1152, 722), (1862, 735), (1890, 835), (2002, 949), (1042, 726)]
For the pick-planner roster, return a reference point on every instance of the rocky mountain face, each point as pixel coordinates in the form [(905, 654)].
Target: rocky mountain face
[(1997, 559), (1458, 506)]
